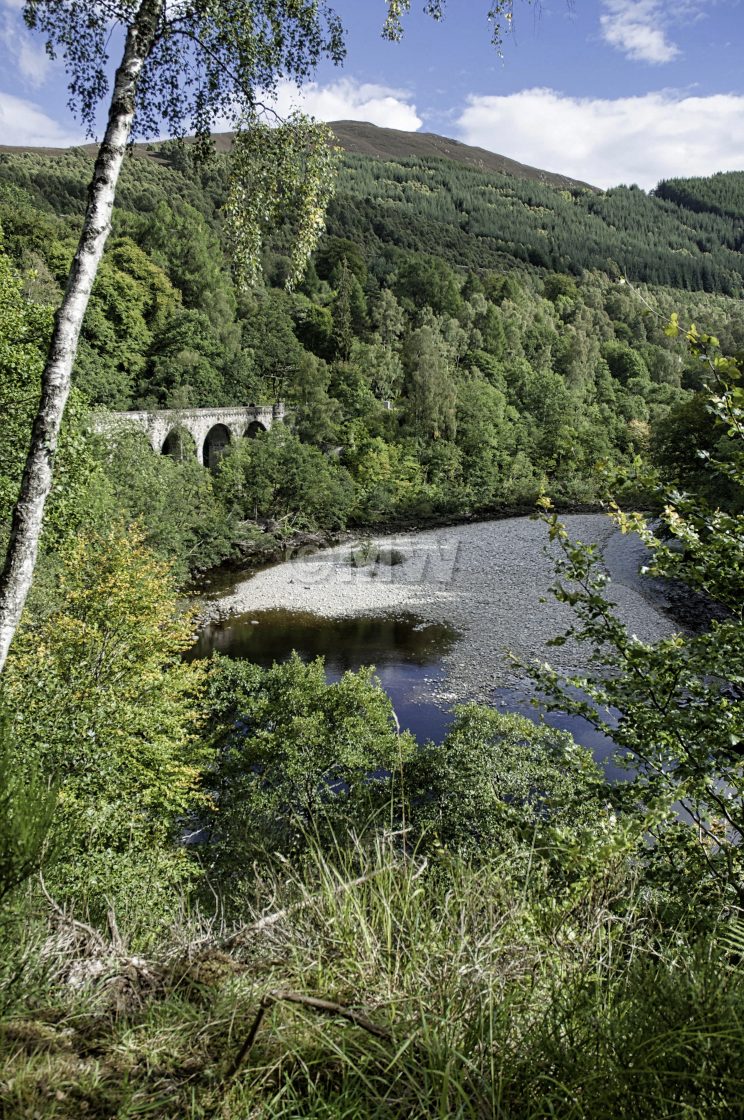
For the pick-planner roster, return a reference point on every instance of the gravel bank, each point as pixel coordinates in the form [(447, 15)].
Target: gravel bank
[(486, 580)]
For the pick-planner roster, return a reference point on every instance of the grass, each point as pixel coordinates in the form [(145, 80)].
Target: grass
[(495, 996)]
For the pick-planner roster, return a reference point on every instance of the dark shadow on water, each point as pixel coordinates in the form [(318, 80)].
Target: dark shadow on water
[(345, 643), (407, 653)]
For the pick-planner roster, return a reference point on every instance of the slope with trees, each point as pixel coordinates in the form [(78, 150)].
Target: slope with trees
[(372, 927), (427, 388), (227, 891)]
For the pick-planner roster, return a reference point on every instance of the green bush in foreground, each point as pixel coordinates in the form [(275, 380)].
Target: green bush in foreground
[(499, 782), (679, 712), (98, 699), (298, 758), (301, 760)]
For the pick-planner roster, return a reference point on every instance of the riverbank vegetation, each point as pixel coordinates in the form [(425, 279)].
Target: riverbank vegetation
[(227, 891)]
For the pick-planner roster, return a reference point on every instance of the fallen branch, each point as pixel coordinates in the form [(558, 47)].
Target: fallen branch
[(271, 919), (313, 1003)]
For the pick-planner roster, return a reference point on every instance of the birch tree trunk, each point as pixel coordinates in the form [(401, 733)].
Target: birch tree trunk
[(28, 515)]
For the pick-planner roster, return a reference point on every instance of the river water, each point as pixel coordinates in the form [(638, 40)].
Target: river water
[(438, 629)]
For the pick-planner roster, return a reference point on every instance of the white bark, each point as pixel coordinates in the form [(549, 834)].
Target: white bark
[(28, 515)]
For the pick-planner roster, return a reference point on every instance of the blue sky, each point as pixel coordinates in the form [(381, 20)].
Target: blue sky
[(606, 90)]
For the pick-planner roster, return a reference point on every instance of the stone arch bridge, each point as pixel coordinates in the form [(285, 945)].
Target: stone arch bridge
[(211, 429)]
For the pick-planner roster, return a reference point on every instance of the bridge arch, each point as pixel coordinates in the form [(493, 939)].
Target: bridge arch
[(216, 442), (179, 444), (212, 429)]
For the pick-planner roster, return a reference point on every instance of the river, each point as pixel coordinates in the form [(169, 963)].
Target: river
[(440, 613)]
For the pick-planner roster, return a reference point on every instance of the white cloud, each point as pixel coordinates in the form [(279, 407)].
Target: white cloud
[(24, 123), (349, 100), (29, 55), (33, 63), (605, 142), (637, 28)]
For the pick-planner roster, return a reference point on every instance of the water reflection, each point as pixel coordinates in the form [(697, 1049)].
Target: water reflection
[(408, 654), (346, 643)]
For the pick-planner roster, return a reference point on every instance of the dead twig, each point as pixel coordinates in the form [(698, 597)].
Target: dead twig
[(102, 961), (271, 919), (313, 1003), (242, 1054), (117, 942), (63, 918)]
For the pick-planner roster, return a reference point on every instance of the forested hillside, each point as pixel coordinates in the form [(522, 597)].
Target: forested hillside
[(193, 850), (363, 139), (462, 341), (721, 194)]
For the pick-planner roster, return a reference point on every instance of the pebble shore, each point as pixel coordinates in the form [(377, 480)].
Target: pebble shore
[(488, 580)]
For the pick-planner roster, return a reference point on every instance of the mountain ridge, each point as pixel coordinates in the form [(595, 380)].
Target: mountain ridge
[(361, 138), (366, 139)]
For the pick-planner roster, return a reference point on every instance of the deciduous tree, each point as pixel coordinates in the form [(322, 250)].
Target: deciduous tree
[(181, 65), (677, 703)]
